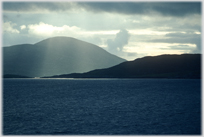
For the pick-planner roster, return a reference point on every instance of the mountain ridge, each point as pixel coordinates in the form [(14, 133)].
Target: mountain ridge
[(55, 56)]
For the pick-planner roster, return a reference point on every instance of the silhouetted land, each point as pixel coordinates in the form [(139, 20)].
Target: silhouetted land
[(163, 66)]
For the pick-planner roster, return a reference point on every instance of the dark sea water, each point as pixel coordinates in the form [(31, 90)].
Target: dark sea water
[(101, 107)]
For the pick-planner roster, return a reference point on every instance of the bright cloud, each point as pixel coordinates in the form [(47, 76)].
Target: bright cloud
[(147, 32), (48, 30), (105, 32), (9, 27), (23, 27)]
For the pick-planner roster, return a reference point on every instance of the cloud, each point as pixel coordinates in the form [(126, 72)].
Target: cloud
[(198, 48), (114, 7), (188, 38), (181, 47), (163, 8), (43, 30), (177, 8), (9, 27), (23, 27), (119, 42), (183, 35), (48, 30), (37, 6)]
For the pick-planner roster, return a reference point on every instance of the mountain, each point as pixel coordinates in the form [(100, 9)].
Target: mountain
[(163, 66), (55, 56)]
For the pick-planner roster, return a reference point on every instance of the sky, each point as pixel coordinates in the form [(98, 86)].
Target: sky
[(129, 30)]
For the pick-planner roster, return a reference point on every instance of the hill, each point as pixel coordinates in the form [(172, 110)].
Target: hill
[(163, 66), (55, 56)]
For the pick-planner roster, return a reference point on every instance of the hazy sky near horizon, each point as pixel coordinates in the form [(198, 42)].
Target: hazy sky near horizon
[(126, 29)]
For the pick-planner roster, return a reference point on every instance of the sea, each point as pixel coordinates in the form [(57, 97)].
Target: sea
[(101, 107)]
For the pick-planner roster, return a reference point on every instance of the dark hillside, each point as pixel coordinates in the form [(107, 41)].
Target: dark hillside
[(163, 66)]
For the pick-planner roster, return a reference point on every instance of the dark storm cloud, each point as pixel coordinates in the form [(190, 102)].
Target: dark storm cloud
[(177, 8), (117, 7), (33, 6), (163, 8)]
